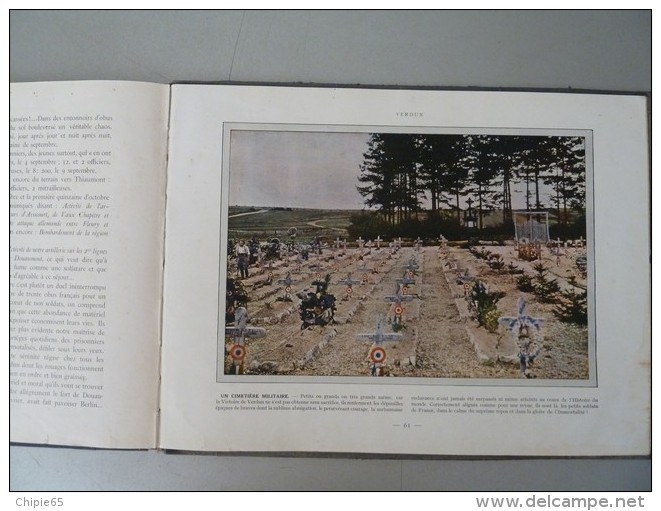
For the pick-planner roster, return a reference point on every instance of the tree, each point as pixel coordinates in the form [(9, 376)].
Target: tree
[(444, 169), (531, 165), (389, 175), (483, 174), (377, 176), (401, 169), (566, 175)]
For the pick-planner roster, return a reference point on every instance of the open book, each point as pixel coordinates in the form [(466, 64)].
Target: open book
[(249, 268)]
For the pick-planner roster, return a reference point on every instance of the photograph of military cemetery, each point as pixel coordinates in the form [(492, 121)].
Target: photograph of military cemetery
[(428, 255)]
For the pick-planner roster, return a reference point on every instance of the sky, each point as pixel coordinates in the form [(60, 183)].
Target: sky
[(306, 169), (296, 169)]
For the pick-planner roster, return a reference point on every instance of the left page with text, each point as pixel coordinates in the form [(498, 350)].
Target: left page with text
[(87, 181)]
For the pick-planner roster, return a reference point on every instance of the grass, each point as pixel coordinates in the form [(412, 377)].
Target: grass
[(276, 222)]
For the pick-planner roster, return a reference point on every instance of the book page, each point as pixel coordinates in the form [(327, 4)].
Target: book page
[(408, 272), (87, 182)]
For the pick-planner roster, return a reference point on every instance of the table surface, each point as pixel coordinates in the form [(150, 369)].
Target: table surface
[(592, 50)]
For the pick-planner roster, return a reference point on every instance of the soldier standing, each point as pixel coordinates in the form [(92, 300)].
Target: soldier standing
[(243, 254)]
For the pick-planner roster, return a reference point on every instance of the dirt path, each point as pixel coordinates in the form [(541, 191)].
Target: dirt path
[(249, 213), (315, 223), (444, 348)]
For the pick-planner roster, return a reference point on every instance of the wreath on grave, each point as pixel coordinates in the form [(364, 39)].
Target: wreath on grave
[(236, 296), (318, 308)]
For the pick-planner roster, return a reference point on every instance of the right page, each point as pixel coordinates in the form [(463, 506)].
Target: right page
[(406, 272)]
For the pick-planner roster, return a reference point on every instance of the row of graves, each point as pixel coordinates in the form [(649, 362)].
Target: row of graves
[(496, 337), (508, 325), (323, 309)]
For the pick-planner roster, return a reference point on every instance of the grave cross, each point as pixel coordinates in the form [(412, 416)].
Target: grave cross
[(321, 284), (364, 269), (287, 282), (317, 264), (378, 242), (522, 321), (418, 243), (361, 242), (412, 265), (397, 300), (526, 332), (465, 278), (349, 283), (238, 333), (376, 259), (407, 278), (378, 353), (379, 336), (399, 296), (240, 330)]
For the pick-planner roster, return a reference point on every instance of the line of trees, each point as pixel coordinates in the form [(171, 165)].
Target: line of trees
[(401, 172)]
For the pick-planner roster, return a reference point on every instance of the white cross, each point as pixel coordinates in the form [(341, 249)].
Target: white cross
[(349, 281), (522, 328), (379, 336), (399, 297), (407, 278), (287, 281), (412, 264), (240, 331), (522, 320)]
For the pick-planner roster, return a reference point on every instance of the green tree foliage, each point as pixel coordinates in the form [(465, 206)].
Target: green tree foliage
[(389, 176), (401, 170), (484, 305), (572, 305), (444, 169), (564, 158), (545, 288)]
